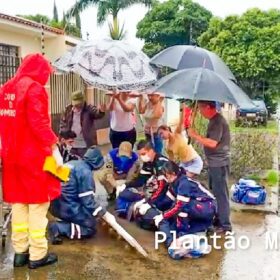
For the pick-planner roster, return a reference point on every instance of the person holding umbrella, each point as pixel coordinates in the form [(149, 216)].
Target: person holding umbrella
[(217, 150)]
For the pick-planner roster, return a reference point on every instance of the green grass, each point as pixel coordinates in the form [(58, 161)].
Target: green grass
[(272, 177), (272, 128)]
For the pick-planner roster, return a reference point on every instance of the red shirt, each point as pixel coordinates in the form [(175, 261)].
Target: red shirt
[(188, 114)]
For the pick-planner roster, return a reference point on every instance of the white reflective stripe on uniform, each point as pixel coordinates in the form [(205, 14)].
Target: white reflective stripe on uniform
[(144, 172), (72, 231), (183, 198), (170, 195), (85, 194), (183, 215), (162, 177), (78, 230), (163, 158), (203, 189), (96, 211)]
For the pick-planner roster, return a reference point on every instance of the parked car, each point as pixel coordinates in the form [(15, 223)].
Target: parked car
[(253, 116)]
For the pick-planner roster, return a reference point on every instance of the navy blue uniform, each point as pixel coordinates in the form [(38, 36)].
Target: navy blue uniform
[(76, 206), (155, 187), (193, 209)]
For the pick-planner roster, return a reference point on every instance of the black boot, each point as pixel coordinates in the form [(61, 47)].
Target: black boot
[(21, 259), (53, 234), (50, 258)]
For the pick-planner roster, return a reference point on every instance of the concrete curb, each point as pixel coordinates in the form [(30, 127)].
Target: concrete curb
[(270, 207)]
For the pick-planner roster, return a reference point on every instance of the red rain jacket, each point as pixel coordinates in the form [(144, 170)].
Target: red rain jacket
[(26, 134)]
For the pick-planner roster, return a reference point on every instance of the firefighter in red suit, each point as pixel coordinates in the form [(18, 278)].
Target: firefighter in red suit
[(26, 140)]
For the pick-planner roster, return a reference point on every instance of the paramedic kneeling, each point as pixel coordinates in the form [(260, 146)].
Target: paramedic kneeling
[(77, 207)]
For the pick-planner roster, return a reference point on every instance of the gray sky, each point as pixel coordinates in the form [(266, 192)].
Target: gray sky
[(130, 16)]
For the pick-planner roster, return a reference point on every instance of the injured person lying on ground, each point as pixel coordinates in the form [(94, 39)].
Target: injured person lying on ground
[(173, 202), (76, 208), (145, 184)]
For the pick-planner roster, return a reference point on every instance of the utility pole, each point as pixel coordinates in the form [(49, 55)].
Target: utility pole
[(190, 38)]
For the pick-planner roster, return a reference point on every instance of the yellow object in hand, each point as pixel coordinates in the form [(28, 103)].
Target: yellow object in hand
[(61, 172)]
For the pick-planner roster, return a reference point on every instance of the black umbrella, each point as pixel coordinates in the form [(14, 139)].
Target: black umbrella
[(183, 57), (202, 84)]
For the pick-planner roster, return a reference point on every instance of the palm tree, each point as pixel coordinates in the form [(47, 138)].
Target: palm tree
[(105, 8)]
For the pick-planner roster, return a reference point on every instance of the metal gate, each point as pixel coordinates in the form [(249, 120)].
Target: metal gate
[(9, 62)]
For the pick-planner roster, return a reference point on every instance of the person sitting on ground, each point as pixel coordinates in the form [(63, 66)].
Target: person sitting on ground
[(77, 207), (66, 141), (118, 165), (194, 207), (153, 112), (148, 185), (178, 148)]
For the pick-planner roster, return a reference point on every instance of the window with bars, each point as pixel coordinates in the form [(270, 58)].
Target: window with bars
[(9, 62)]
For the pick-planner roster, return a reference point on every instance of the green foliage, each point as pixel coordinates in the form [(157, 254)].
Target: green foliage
[(78, 21), (255, 177), (169, 23), (271, 128), (38, 18), (200, 126), (251, 153), (250, 46), (116, 33), (104, 9), (70, 29), (272, 177), (271, 101)]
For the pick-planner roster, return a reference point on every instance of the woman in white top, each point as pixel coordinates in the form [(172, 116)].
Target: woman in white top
[(122, 122), (152, 112)]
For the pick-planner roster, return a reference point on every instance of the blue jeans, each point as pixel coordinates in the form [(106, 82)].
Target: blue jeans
[(158, 144)]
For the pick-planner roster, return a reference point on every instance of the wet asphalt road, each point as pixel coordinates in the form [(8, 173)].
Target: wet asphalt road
[(105, 257)]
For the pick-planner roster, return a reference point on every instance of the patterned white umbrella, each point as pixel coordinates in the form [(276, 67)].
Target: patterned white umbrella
[(110, 65)]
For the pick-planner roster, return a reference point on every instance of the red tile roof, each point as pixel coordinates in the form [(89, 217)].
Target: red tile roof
[(31, 23)]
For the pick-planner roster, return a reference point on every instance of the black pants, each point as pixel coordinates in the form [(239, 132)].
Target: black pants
[(218, 183), (117, 137)]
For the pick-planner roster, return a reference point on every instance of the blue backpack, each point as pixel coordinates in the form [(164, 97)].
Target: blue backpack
[(248, 192)]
